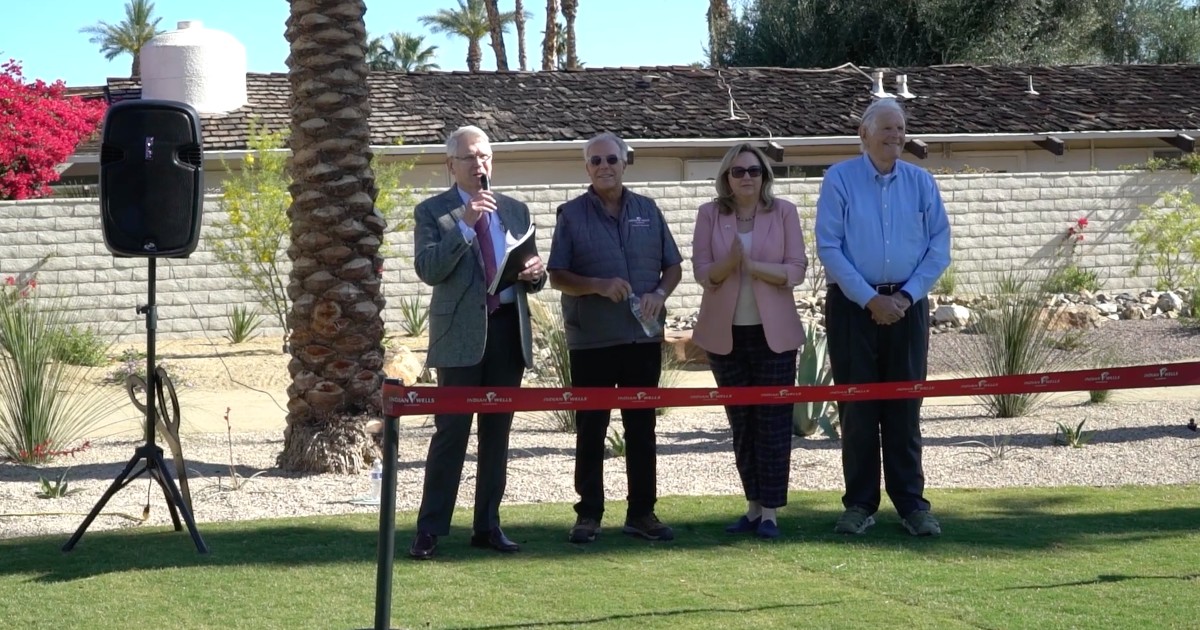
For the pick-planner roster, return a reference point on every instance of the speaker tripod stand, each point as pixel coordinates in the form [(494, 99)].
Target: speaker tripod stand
[(149, 452)]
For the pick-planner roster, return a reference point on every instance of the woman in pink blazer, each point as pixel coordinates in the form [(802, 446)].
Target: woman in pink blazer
[(748, 254)]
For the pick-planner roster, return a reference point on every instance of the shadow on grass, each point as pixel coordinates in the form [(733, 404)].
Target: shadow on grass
[(974, 521), (676, 613), (1104, 579)]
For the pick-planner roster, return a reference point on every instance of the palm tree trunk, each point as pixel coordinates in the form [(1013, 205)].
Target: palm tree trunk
[(497, 30), (569, 9), (550, 40), (337, 332), (719, 18), (520, 11), (135, 70), (474, 55)]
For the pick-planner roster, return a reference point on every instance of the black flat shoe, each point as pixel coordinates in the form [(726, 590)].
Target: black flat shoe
[(494, 539), (423, 547)]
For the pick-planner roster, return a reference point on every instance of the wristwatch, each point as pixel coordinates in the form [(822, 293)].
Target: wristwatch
[(907, 296), (661, 292)]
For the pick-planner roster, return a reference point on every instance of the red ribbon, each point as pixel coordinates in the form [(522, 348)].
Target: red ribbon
[(399, 400)]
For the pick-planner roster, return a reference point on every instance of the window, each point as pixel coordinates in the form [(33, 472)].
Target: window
[(799, 170)]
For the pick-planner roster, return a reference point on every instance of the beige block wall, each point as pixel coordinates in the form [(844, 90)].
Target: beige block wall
[(1000, 222)]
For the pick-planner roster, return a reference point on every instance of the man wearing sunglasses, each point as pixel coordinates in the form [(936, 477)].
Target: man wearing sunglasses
[(884, 239), (613, 255), (475, 339)]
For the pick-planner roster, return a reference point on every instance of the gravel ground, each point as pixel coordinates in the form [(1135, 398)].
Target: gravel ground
[(1133, 442)]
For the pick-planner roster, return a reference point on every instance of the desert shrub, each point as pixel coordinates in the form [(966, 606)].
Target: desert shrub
[(550, 335), (46, 405), (243, 324), (414, 316), (947, 282), (1167, 237), (80, 346), (1017, 338)]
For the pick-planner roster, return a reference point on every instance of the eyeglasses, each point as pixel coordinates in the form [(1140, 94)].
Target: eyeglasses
[(481, 157), (738, 172), (596, 159)]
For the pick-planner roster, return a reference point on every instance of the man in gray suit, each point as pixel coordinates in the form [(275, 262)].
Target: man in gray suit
[(475, 339)]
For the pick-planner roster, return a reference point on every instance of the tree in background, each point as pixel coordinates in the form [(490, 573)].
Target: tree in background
[(719, 22), (336, 267), (815, 33), (1147, 31), (469, 21), (401, 52), (40, 127), (128, 36), (520, 17), (570, 8), (550, 37), (496, 28)]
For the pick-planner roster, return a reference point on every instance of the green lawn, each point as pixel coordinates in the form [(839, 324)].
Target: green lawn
[(1014, 558)]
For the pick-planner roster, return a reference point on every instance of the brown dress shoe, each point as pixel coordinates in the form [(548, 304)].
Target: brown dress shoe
[(423, 546), (494, 539)]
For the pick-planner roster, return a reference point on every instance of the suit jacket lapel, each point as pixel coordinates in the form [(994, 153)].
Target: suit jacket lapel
[(726, 230), (762, 229), (457, 209)]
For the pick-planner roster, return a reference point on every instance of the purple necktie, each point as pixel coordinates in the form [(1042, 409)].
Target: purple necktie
[(483, 232)]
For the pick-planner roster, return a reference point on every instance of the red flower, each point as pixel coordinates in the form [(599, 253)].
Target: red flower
[(1082, 222), (10, 281)]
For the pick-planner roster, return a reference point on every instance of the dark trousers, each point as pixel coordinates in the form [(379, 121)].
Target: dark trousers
[(627, 365), (502, 366), (861, 351), (762, 434)]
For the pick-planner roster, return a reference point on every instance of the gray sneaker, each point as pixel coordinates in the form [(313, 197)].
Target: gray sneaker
[(648, 527), (855, 520), (585, 530), (922, 523)]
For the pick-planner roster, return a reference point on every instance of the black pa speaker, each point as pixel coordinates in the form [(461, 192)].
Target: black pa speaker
[(151, 179)]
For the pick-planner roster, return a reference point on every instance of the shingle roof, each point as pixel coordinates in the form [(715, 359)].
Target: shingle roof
[(686, 102)]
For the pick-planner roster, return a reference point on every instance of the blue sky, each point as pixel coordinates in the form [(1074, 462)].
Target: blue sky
[(44, 34)]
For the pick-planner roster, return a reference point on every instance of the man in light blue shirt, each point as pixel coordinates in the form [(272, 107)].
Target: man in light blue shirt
[(884, 239)]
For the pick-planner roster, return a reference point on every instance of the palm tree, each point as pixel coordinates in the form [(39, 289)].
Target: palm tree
[(406, 53), (521, 16), (337, 332), (550, 40), (469, 21), (497, 31), (719, 18), (127, 37), (569, 9)]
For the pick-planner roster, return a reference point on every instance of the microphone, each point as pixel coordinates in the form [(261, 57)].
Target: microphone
[(483, 182)]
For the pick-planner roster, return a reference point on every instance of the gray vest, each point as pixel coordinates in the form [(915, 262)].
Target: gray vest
[(636, 246)]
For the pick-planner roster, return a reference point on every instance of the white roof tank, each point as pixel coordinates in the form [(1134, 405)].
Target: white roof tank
[(202, 67)]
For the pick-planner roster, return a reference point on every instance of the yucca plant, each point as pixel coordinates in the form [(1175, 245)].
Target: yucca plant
[(1076, 437), (550, 334), (414, 317), (45, 404), (243, 324), (813, 369)]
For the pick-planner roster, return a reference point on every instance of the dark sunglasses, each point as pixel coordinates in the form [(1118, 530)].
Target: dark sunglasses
[(739, 172), (596, 159)]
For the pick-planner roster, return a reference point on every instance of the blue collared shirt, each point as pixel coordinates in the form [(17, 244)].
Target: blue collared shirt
[(874, 229), (499, 242)]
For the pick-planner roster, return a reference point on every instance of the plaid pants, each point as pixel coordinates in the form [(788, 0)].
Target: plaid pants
[(762, 434)]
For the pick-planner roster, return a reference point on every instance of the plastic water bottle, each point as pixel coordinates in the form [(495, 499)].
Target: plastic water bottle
[(649, 326), (377, 479)]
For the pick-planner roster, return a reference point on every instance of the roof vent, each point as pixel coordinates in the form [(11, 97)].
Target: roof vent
[(1030, 91), (877, 85), (902, 87), (202, 67)]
